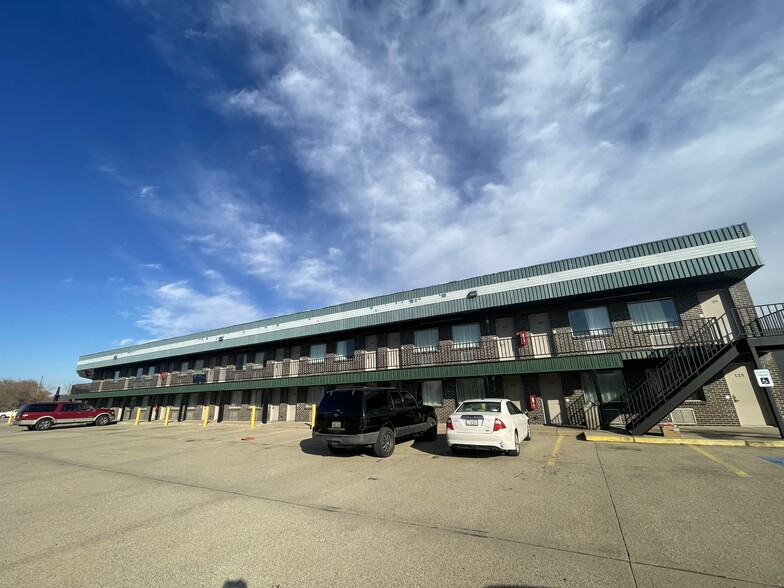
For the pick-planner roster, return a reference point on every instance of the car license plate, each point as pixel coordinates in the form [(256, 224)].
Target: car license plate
[(335, 424), (472, 422)]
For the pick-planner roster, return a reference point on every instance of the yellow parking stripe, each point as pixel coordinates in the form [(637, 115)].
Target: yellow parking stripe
[(554, 454), (730, 467)]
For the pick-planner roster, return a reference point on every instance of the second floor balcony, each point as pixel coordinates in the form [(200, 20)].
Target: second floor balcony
[(648, 339)]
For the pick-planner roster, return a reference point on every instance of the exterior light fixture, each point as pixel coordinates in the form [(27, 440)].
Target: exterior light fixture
[(472, 294)]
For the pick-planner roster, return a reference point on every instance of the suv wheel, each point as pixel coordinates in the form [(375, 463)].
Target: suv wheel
[(44, 424), (102, 420), (385, 443)]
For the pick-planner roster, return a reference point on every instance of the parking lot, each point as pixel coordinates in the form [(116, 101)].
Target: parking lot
[(227, 506)]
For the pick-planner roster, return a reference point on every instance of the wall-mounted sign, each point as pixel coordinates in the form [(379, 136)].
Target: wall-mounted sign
[(763, 378)]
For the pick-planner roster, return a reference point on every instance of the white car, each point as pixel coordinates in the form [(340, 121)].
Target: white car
[(488, 423)]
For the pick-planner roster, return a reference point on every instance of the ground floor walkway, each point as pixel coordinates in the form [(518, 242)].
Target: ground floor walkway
[(693, 435)]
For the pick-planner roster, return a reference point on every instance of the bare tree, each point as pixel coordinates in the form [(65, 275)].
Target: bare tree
[(14, 393)]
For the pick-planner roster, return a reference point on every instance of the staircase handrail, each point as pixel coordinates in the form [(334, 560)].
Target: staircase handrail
[(704, 344), (641, 399)]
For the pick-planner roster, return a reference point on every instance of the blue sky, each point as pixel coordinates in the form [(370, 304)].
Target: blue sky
[(169, 167)]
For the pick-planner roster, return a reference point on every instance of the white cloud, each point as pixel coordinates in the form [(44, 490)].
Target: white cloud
[(468, 138), (147, 191), (152, 266), (194, 34), (180, 308)]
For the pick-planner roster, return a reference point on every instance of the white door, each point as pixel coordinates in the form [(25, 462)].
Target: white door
[(540, 334), (291, 409), (505, 331), (393, 340), (274, 409), (504, 327), (750, 400), (551, 392), (393, 355), (513, 389), (713, 307)]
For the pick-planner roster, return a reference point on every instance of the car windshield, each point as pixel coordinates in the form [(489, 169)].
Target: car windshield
[(346, 401), (480, 407)]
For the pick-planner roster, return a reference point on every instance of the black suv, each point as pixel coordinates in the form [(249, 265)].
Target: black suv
[(353, 417)]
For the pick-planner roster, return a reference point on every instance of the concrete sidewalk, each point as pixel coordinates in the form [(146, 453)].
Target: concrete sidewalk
[(693, 435)]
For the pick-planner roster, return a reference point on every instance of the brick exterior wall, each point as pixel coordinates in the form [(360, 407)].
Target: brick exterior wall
[(739, 294), (716, 409)]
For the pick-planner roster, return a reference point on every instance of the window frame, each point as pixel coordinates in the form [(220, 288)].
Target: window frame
[(315, 346), (590, 332), (589, 391), (349, 345), (655, 326), (432, 394), (471, 394), (426, 348), (469, 344)]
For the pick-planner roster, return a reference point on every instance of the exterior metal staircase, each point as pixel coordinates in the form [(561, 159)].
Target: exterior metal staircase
[(691, 365)]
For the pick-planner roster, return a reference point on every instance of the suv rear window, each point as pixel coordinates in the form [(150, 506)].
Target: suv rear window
[(348, 402), (38, 408)]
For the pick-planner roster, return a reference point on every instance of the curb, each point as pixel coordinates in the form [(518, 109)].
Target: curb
[(598, 438)]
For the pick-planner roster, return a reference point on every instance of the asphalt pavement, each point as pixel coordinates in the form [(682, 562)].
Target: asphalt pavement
[(233, 507)]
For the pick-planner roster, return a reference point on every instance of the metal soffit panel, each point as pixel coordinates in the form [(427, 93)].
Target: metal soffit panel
[(727, 259)]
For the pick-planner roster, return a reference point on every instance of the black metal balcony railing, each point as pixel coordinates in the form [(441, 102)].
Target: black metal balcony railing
[(697, 352), (651, 338)]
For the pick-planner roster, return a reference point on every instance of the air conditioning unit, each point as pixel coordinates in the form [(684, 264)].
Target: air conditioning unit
[(683, 416), (595, 345), (661, 339)]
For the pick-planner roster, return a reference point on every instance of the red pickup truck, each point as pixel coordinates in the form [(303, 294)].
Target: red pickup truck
[(45, 415)]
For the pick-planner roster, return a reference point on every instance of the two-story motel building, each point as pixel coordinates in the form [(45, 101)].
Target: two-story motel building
[(658, 331)]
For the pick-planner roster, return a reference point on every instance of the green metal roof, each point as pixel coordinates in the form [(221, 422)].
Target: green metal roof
[(732, 254)]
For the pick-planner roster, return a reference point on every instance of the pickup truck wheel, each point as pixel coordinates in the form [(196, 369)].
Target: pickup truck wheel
[(44, 424), (102, 420), (516, 451), (431, 433), (385, 443)]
